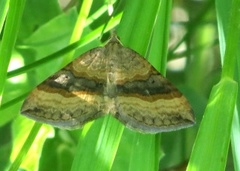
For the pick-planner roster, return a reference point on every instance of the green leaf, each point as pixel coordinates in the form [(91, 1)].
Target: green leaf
[(24, 148), (211, 152)]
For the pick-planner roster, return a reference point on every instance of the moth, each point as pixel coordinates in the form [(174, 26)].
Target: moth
[(114, 80)]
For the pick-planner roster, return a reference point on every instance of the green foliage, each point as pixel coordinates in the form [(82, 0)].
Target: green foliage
[(44, 37)]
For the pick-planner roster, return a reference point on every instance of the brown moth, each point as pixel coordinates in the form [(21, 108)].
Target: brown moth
[(109, 80)]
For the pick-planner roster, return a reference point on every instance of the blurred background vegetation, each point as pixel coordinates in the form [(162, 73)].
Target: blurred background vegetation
[(184, 39)]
